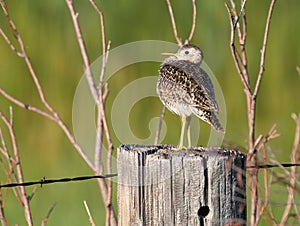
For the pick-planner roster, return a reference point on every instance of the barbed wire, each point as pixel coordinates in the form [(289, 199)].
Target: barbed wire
[(51, 181), (266, 166), (83, 178)]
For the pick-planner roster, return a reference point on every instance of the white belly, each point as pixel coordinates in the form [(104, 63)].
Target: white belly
[(181, 109)]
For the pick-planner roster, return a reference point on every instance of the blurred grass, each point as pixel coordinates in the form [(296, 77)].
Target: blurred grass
[(47, 30)]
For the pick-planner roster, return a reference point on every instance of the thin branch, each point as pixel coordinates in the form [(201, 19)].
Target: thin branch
[(4, 149), (10, 172), (110, 216), (242, 11), (270, 211), (25, 56), (105, 52), (261, 140), (87, 68), (101, 118), (44, 222), (56, 118), (263, 50), (242, 40), (25, 202), (54, 115), (26, 106), (99, 133), (2, 214), (103, 125), (98, 97), (240, 62), (194, 21), (89, 213), (294, 156), (266, 187), (9, 43), (242, 35), (235, 55), (179, 42)]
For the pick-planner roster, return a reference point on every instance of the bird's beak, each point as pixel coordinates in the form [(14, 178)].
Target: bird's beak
[(170, 54)]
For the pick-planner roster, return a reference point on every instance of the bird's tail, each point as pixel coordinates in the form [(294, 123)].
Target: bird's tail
[(211, 118), (214, 121)]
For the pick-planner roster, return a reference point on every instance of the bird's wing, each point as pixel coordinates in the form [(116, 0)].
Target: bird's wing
[(203, 87), (199, 91), (206, 82)]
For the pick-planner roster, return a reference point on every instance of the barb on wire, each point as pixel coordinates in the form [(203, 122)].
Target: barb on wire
[(61, 180)]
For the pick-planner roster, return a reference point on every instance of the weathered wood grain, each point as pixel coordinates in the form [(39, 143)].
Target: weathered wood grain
[(159, 186)]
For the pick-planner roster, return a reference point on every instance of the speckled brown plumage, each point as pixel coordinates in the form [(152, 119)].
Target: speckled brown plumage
[(186, 89)]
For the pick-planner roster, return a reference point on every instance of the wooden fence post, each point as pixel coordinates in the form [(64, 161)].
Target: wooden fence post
[(160, 186)]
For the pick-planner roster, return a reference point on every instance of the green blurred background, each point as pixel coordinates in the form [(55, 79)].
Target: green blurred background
[(48, 33)]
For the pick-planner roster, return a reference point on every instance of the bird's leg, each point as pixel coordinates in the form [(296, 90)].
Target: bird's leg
[(183, 120), (188, 128), (180, 147)]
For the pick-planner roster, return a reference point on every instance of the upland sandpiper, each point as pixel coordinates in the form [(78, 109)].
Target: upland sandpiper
[(186, 89)]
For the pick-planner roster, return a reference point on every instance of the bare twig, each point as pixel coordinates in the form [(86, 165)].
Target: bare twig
[(261, 140), (266, 187), (105, 51), (99, 133), (270, 211), (240, 61), (9, 43), (54, 117), (98, 96), (252, 100), (26, 106), (179, 42), (89, 213), (24, 55), (194, 21), (44, 222), (260, 144), (23, 195), (263, 49), (4, 149), (242, 11), (87, 68), (53, 114), (10, 172), (2, 214), (102, 125), (235, 54), (291, 191)]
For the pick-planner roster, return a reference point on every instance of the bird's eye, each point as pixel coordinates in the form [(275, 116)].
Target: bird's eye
[(186, 52)]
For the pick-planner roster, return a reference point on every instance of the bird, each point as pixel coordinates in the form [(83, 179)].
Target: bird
[(186, 89)]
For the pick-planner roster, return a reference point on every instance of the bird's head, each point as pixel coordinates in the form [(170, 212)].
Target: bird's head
[(189, 53)]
